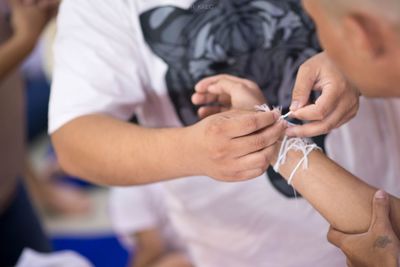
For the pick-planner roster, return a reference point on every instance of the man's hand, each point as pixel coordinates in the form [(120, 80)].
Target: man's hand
[(378, 247), (337, 104), (224, 92), (239, 144), (235, 145)]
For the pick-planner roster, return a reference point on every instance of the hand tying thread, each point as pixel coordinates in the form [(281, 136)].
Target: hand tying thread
[(303, 145)]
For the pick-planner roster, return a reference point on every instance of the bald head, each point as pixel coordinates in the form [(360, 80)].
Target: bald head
[(362, 37), (387, 9)]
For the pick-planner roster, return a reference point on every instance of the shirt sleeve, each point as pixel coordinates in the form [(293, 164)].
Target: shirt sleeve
[(97, 62)]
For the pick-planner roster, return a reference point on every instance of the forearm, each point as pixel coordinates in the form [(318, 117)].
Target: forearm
[(111, 152), (173, 259), (149, 248), (344, 200), (12, 53), (144, 258)]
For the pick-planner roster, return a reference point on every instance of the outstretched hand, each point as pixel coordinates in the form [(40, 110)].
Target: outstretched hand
[(224, 92)]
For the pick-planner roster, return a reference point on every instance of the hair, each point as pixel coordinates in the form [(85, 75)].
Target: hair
[(387, 9)]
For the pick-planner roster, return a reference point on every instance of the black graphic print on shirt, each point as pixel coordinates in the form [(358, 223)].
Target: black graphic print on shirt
[(261, 40), (264, 41)]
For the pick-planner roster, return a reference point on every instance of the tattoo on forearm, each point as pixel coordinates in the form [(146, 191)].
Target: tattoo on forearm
[(382, 242)]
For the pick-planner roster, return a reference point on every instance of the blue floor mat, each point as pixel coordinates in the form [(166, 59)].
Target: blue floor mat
[(103, 251)]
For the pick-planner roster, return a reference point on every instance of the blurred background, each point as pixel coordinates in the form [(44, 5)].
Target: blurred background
[(75, 214)]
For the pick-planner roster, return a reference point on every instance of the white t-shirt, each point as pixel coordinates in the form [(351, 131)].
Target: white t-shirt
[(139, 208), (369, 145), (143, 57)]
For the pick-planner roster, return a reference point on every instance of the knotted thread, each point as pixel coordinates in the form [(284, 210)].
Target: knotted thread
[(303, 145)]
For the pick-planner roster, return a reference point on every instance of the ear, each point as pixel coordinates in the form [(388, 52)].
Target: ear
[(365, 34)]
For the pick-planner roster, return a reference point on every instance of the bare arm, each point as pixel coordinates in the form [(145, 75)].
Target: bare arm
[(151, 251), (107, 151), (12, 53), (344, 200), (149, 248), (229, 146), (174, 259)]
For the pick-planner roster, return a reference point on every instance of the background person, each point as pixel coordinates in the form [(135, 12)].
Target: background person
[(140, 218), (19, 226)]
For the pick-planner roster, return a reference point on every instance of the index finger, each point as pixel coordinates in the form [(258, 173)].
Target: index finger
[(322, 108), (203, 85), (242, 124)]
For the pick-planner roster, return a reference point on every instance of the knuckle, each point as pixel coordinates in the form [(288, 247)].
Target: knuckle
[(268, 156), (330, 126), (261, 163), (218, 152), (251, 124), (321, 112), (260, 142), (215, 127), (342, 87), (224, 76), (325, 128), (304, 68), (240, 87), (265, 161), (252, 84)]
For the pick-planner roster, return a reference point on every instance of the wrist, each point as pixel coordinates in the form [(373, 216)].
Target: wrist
[(188, 144)]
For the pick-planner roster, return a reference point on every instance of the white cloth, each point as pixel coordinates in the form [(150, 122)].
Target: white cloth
[(102, 64), (31, 258), (369, 145), (139, 208)]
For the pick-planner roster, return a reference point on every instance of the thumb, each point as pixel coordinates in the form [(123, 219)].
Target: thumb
[(305, 80), (381, 211)]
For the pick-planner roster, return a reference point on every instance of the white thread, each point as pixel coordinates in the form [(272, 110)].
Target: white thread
[(287, 115), (263, 107), (304, 145)]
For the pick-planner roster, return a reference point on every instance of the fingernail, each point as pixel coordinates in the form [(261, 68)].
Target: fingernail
[(381, 195), (295, 106)]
